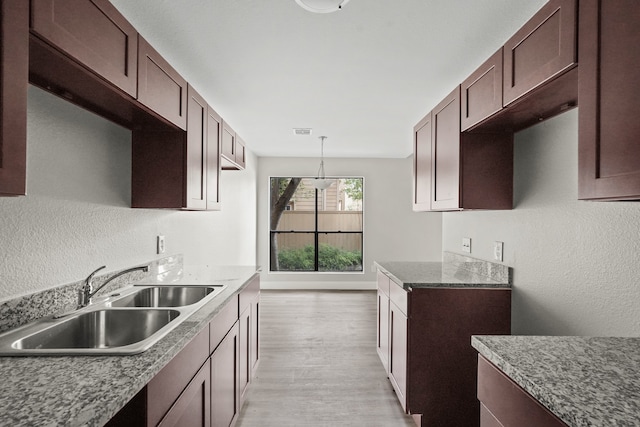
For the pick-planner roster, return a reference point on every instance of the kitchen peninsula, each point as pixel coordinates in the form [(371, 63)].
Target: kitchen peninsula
[(583, 381), (427, 313)]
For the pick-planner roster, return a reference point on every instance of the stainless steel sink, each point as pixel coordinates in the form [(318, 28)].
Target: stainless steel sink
[(128, 321), (99, 329), (165, 296)]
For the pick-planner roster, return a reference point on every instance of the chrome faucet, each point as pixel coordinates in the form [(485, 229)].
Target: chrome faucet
[(86, 293)]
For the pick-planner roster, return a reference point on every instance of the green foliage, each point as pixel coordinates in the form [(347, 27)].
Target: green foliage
[(353, 188), (330, 258)]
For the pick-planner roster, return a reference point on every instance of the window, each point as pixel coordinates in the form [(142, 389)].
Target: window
[(316, 230)]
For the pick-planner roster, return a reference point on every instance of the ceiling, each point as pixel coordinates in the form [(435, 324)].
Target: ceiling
[(362, 76)]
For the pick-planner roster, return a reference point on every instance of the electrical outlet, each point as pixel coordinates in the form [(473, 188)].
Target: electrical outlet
[(160, 245), (466, 244), (498, 248)]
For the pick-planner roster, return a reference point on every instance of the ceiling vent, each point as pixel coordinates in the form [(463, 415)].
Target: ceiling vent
[(302, 131)]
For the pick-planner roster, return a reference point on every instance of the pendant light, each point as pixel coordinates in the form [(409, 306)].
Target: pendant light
[(322, 6), (321, 183)]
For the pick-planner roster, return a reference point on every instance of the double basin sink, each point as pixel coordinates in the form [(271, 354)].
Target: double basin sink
[(126, 322)]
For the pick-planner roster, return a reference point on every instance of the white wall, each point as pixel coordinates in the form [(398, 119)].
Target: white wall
[(576, 263), (392, 231), (76, 216)]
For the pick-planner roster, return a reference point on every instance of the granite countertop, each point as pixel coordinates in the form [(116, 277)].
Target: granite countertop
[(456, 271), (89, 390), (585, 381)]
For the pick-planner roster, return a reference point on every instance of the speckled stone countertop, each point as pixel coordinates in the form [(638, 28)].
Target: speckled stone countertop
[(456, 271), (584, 381), (89, 390)]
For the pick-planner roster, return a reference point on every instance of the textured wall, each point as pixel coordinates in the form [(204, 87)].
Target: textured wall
[(576, 269), (76, 216), (392, 231)]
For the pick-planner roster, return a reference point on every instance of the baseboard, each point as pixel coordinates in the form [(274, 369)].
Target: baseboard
[(308, 285)]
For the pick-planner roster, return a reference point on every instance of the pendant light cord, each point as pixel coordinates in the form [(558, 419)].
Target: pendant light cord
[(321, 169)]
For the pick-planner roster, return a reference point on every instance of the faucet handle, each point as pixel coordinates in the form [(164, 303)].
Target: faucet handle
[(84, 294), (89, 279)]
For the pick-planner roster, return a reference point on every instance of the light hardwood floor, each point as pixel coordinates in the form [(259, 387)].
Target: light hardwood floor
[(319, 365)]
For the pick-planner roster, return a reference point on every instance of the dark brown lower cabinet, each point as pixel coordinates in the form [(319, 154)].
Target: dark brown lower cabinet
[(224, 380), (398, 353), (192, 409), (431, 364), (506, 404), (204, 384), (249, 303), (383, 325)]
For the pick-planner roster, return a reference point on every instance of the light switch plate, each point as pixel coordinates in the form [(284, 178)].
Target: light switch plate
[(498, 248), (160, 245), (466, 244)]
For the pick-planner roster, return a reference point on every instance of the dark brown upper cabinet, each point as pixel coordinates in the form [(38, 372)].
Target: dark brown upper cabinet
[(174, 169), (445, 153), (197, 120), (481, 92), (609, 152), (542, 49), (93, 33), (160, 86), (14, 62), (214, 133), (232, 150), (463, 170), (241, 156), (422, 165)]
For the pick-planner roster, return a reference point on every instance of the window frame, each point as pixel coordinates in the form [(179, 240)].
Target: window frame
[(316, 233)]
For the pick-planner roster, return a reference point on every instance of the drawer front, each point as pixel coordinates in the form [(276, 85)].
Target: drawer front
[(249, 294), (221, 324), (383, 282), (92, 32), (508, 402), (399, 296)]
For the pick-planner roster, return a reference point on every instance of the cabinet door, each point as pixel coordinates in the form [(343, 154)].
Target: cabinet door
[(383, 329), (245, 349), (254, 348), (193, 407), (228, 148), (196, 182), (214, 130), (541, 50), (398, 353), (422, 165), (224, 380), (240, 154), (14, 65), (481, 92), (92, 32), (609, 153), (445, 153), (160, 87)]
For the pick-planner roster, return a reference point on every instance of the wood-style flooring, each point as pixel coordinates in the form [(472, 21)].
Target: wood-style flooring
[(319, 365)]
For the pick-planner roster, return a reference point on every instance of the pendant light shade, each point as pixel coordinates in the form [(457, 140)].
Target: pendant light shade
[(321, 183), (322, 6)]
